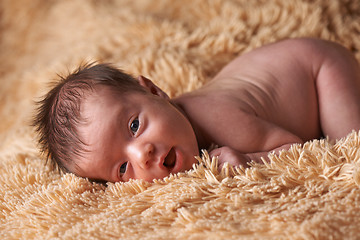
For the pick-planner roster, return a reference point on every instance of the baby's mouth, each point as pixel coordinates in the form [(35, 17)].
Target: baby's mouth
[(170, 159)]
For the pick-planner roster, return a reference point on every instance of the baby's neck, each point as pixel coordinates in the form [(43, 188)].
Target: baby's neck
[(183, 103)]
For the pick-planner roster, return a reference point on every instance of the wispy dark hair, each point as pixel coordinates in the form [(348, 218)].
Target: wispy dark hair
[(58, 113)]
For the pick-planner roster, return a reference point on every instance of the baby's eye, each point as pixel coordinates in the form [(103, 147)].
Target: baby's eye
[(134, 126), (123, 168)]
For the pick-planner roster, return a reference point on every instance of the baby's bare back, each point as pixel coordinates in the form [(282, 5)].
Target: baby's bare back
[(275, 84), (267, 97)]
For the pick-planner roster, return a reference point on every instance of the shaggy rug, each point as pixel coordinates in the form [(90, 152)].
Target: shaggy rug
[(309, 192)]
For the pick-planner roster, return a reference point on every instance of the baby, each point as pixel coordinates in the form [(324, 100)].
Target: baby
[(102, 124)]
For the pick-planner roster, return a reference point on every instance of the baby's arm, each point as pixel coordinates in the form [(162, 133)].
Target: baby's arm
[(269, 138), (236, 158)]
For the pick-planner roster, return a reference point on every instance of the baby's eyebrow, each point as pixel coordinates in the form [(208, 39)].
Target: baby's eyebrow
[(119, 125), (122, 118)]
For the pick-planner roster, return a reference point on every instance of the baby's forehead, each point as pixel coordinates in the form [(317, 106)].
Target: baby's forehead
[(98, 109), (100, 92), (98, 95), (111, 98), (99, 89)]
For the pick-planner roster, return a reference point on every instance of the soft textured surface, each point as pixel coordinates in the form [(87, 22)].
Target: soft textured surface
[(310, 192)]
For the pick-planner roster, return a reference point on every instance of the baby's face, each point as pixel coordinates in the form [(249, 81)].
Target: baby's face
[(134, 136)]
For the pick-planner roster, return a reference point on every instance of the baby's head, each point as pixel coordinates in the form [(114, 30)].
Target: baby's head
[(103, 124)]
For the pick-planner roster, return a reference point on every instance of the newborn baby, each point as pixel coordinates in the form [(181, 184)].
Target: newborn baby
[(103, 124)]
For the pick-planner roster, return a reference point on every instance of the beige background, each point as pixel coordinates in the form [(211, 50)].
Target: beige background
[(312, 192)]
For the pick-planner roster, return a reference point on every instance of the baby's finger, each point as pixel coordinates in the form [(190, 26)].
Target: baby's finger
[(215, 152)]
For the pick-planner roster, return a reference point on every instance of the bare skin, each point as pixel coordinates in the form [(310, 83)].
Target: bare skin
[(284, 93), (263, 101)]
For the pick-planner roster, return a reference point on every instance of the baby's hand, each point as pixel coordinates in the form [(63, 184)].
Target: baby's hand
[(233, 157)]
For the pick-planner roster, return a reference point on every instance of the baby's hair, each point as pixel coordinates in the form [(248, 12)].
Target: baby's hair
[(58, 113)]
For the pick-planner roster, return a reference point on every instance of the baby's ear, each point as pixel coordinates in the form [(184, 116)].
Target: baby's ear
[(151, 87)]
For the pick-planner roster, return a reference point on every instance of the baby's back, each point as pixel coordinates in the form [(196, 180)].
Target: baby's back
[(277, 84), (271, 87)]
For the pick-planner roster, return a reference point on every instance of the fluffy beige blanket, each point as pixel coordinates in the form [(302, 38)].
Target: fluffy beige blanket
[(310, 192)]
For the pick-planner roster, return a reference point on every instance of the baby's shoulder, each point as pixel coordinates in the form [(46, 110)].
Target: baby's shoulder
[(274, 64), (309, 53), (215, 100)]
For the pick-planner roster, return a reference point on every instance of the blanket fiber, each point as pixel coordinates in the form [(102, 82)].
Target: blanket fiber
[(309, 192)]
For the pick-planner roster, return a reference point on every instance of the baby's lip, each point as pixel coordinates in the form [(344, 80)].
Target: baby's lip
[(169, 161), (172, 161)]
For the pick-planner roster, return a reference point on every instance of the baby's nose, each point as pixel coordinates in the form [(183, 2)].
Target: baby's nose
[(145, 155)]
